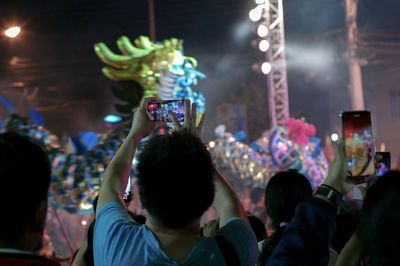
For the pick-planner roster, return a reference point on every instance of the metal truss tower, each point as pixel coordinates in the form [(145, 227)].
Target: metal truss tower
[(269, 14), (277, 78)]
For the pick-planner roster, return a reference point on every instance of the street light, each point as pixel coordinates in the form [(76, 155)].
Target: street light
[(12, 32)]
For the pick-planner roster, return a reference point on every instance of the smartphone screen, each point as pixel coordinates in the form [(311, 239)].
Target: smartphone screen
[(359, 142), (159, 110)]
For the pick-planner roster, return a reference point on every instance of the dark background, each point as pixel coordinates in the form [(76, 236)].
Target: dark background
[(52, 67)]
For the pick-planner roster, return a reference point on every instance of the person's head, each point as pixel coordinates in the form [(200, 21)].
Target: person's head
[(283, 193), (258, 227), (175, 179), (380, 219), (256, 195), (25, 177)]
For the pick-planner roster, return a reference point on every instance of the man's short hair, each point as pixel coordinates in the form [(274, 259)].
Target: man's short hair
[(380, 219), (175, 178), (24, 181)]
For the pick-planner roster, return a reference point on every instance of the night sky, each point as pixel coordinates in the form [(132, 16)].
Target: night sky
[(53, 68)]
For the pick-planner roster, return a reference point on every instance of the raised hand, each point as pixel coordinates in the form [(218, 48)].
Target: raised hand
[(142, 126), (337, 176), (190, 122)]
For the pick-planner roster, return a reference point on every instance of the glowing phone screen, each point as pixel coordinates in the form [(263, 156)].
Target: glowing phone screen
[(359, 142)]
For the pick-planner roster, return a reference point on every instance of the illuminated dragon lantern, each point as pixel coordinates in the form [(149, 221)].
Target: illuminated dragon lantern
[(158, 69)]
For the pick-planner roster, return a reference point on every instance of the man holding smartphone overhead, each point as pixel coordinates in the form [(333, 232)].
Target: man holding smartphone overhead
[(177, 184)]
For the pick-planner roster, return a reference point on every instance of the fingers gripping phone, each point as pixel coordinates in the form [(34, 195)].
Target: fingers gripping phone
[(158, 111), (383, 166), (384, 163), (359, 142)]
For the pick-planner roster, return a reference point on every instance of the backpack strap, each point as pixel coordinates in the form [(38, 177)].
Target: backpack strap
[(228, 251)]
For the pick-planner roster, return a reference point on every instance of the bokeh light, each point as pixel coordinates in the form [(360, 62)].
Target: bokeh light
[(334, 137), (262, 30), (255, 14), (112, 119), (263, 45), (12, 32), (266, 68)]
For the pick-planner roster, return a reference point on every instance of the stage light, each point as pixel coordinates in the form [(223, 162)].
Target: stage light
[(84, 222), (112, 119), (262, 30), (211, 144), (334, 137), (266, 68), (255, 14), (258, 2), (12, 32), (263, 45)]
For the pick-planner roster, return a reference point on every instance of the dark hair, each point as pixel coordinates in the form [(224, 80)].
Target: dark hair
[(283, 193), (175, 178), (258, 227), (138, 218), (380, 219), (345, 227), (25, 177)]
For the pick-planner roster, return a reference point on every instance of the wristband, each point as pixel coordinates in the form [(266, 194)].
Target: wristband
[(334, 189), (334, 196)]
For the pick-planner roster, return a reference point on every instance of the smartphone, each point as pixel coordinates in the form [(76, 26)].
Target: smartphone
[(359, 142), (158, 111), (384, 166)]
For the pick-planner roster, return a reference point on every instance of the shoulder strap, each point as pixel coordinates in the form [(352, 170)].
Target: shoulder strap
[(228, 251)]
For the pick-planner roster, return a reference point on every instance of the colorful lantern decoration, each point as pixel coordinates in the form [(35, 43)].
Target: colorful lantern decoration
[(291, 146)]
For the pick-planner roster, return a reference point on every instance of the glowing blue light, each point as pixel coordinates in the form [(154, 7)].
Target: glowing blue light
[(112, 119)]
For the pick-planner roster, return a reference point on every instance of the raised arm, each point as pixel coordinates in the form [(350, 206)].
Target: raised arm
[(352, 253), (226, 201), (117, 173), (306, 240)]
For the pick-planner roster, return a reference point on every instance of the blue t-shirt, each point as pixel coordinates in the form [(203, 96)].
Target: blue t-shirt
[(118, 240)]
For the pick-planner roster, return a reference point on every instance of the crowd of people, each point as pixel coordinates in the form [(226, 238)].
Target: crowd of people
[(177, 183)]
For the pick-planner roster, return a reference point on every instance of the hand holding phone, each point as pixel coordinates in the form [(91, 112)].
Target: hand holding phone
[(158, 111), (359, 144)]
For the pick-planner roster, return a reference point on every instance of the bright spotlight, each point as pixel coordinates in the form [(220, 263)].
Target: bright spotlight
[(12, 32), (84, 222), (258, 2), (263, 45), (212, 144), (266, 68), (334, 137), (262, 30), (255, 14)]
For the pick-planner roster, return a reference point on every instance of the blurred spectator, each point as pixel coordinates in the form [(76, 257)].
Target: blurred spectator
[(380, 220), (283, 193), (378, 237), (307, 238), (25, 177)]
